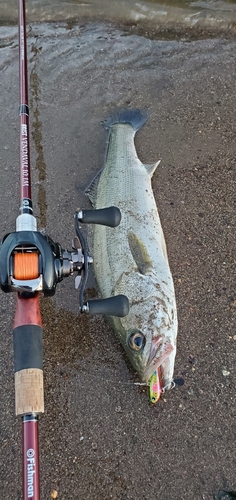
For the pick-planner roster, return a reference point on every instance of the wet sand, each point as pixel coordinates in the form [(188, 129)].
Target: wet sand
[(100, 438)]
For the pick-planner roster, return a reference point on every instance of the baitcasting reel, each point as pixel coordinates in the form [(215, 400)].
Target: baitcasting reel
[(31, 262)]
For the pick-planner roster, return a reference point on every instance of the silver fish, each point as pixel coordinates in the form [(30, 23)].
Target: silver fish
[(132, 258)]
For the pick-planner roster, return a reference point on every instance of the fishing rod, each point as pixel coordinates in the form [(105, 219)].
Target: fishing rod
[(32, 263)]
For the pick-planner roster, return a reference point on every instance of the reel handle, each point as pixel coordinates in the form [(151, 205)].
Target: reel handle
[(113, 306), (109, 216)]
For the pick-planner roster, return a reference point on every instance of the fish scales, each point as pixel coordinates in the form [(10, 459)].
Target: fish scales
[(132, 259)]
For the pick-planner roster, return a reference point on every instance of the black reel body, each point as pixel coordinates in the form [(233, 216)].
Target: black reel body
[(50, 262), (53, 263)]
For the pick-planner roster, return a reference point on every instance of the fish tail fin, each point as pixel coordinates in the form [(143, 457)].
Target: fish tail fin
[(133, 117)]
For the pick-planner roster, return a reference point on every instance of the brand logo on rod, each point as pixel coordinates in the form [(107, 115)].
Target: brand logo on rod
[(30, 471), (24, 155), (22, 42)]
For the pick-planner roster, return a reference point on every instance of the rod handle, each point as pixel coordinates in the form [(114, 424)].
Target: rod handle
[(109, 216), (113, 306), (28, 363)]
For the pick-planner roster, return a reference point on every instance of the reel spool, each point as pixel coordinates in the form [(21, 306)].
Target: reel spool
[(26, 265)]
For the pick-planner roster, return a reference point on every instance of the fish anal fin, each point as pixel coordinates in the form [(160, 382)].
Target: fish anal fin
[(151, 168), (91, 190), (140, 253)]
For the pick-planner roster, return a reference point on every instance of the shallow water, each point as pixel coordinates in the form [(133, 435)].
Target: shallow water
[(217, 14)]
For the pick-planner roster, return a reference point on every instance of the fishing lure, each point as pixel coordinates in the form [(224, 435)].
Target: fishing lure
[(155, 389)]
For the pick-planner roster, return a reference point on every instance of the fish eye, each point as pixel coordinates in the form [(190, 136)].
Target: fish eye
[(136, 340)]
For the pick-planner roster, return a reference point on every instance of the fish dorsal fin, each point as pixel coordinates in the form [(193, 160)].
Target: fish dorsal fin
[(91, 190), (140, 253), (151, 168)]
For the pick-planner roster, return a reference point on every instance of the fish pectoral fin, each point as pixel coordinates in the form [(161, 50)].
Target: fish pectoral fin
[(151, 168), (140, 253), (91, 190)]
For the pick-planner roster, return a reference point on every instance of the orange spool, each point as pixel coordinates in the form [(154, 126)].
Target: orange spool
[(26, 266)]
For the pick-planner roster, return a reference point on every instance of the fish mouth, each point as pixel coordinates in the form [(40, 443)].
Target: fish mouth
[(160, 351)]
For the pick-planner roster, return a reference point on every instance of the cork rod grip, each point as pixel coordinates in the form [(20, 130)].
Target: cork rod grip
[(29, 395), (28, 360)]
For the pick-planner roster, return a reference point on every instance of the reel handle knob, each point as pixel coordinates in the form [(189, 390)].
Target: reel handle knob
[(113, 306), (109, 216)]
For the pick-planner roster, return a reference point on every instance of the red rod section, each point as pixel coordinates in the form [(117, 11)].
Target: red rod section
[(25, 182), (27, 311), (30, 450)]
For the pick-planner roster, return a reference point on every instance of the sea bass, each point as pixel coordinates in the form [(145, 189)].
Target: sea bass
[(132, 259)]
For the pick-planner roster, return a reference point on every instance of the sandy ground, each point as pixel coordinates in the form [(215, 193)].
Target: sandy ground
[(100, 438)]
